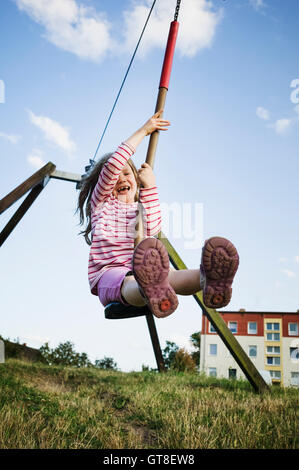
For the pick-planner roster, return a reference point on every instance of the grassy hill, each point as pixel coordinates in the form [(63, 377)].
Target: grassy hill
[(61, 407)]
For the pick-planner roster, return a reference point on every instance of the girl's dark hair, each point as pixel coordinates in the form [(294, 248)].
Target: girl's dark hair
[(89, 182)]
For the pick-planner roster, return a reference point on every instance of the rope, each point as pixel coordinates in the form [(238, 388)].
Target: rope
[(123, 82)]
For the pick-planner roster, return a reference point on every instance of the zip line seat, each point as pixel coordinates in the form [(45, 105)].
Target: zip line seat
[(117, 311)]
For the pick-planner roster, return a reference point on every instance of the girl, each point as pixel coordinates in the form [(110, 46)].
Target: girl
[(117, 272)]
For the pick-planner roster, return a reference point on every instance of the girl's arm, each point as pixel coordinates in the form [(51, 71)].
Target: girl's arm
[(110, 174), (149, 199), (112, 168)]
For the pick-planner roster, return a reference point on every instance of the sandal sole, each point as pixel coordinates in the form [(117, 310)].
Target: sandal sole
[(150, 269), (219, 263)]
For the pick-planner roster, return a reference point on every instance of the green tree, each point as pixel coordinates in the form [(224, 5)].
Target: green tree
[(64, 355), (169, 353), (106, 363), (195, 340)]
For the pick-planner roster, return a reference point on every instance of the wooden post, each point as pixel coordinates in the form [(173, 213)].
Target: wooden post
[(221, 327), (21, 211), (2, 352), (66, 176), (150, 159), (22, 189), (155, 342), (161, 99)]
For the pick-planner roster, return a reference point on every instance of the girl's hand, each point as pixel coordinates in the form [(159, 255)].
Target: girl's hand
[(155, 123), (146, 176)]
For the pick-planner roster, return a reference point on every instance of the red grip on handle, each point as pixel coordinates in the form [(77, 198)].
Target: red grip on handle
[(167, 64)]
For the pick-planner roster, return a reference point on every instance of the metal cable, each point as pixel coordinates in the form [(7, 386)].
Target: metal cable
[(123, 82), (177, 9)]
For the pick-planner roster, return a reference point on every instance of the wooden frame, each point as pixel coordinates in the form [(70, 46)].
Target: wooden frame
[(221, 327), (23, 188), (36, 183)]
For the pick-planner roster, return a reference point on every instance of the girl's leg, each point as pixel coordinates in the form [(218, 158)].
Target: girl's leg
[(131, 293), (184, 282)]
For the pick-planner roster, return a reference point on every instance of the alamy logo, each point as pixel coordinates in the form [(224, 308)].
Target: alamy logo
[(295, 94), (2, 91), (183, 221)]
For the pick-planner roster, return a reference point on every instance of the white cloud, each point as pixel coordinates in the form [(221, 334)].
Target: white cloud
[(257, 4), (282, 126), (35, 159), (54, 132), (12, 138), (198, 22), (262, 113), (288, 273), (297, 259), (71, 26), (83, 31), (282, 259)]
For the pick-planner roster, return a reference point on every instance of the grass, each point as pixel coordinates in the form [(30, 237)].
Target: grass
[(62, 407)]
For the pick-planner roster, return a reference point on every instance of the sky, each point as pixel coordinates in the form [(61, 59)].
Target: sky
[(227, 166)]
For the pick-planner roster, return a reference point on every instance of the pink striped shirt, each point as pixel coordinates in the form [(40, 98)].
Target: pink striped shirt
[(113, 222)]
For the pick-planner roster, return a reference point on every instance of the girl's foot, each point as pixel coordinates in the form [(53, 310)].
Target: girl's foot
[(219, 263), (150, 269)]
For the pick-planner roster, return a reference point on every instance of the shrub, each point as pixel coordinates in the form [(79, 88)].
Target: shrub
[(64, 355), (183, 362), (107, 363)]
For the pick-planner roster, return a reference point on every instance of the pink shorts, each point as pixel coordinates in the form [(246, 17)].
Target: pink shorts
[(109, 285)]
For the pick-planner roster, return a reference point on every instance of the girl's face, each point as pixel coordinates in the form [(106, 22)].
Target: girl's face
[(126, 186)]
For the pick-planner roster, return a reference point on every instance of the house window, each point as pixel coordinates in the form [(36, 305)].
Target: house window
[(294, 354), (272, 326), (211, 328), (293, 329), (233, 326), (213, 349), (295, 378), (232, 373), (252, 351), (273, 361), (275, 374), (273, 336), (273, 349), (212, 372), (252, 328)]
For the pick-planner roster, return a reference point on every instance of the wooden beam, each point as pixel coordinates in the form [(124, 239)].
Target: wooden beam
[(221, 327), (64, 175), (20, 212), (150, 159), (22, 189), (155, 342)]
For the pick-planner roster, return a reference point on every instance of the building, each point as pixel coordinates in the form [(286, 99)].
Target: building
[(271, 340)]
